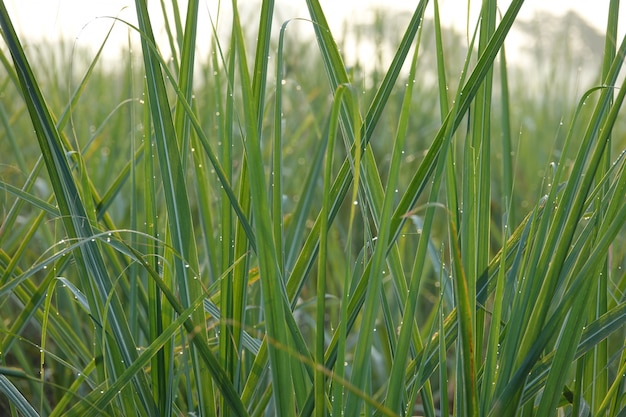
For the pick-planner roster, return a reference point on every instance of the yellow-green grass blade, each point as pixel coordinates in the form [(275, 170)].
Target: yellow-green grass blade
[(187, 45), (443, 361), (476, 191), (348, 282), (466, 372), (277, 152), (233, 243), (491, 365), (238, 298), (474, 237), (159, 315)]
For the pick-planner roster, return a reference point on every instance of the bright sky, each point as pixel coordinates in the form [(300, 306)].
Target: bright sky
[(83, 19)]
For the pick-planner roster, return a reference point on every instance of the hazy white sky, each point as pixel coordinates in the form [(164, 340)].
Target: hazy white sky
[(85, 20)]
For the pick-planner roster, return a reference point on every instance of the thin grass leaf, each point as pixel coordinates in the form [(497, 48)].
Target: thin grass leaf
[(395, 387), (595, 366), (274, 295), (16, 398), (175, 189), (88, 259)]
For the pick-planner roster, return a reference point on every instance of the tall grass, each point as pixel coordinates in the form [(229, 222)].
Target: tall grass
[(270, 232)]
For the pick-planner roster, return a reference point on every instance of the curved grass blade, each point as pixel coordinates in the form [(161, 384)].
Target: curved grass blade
[(89, 258), (16, 398)]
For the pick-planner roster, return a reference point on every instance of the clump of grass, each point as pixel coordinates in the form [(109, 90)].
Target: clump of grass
[(254, 242)]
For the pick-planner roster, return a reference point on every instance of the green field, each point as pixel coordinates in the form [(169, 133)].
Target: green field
[(273, 228)]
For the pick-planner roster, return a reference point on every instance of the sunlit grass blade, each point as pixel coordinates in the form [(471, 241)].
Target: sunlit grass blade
[(474, 229)]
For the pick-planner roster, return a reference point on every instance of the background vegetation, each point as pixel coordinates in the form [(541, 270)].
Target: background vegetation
[(274, 230)]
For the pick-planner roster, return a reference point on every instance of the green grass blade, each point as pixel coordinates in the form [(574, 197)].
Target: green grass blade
[(274, 296), (169, 154), (419, 179), (595, 366), (88, 258), (16, 398), (320, 389), (573, 329), (208, 357), (396, 380), (313, 296)]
